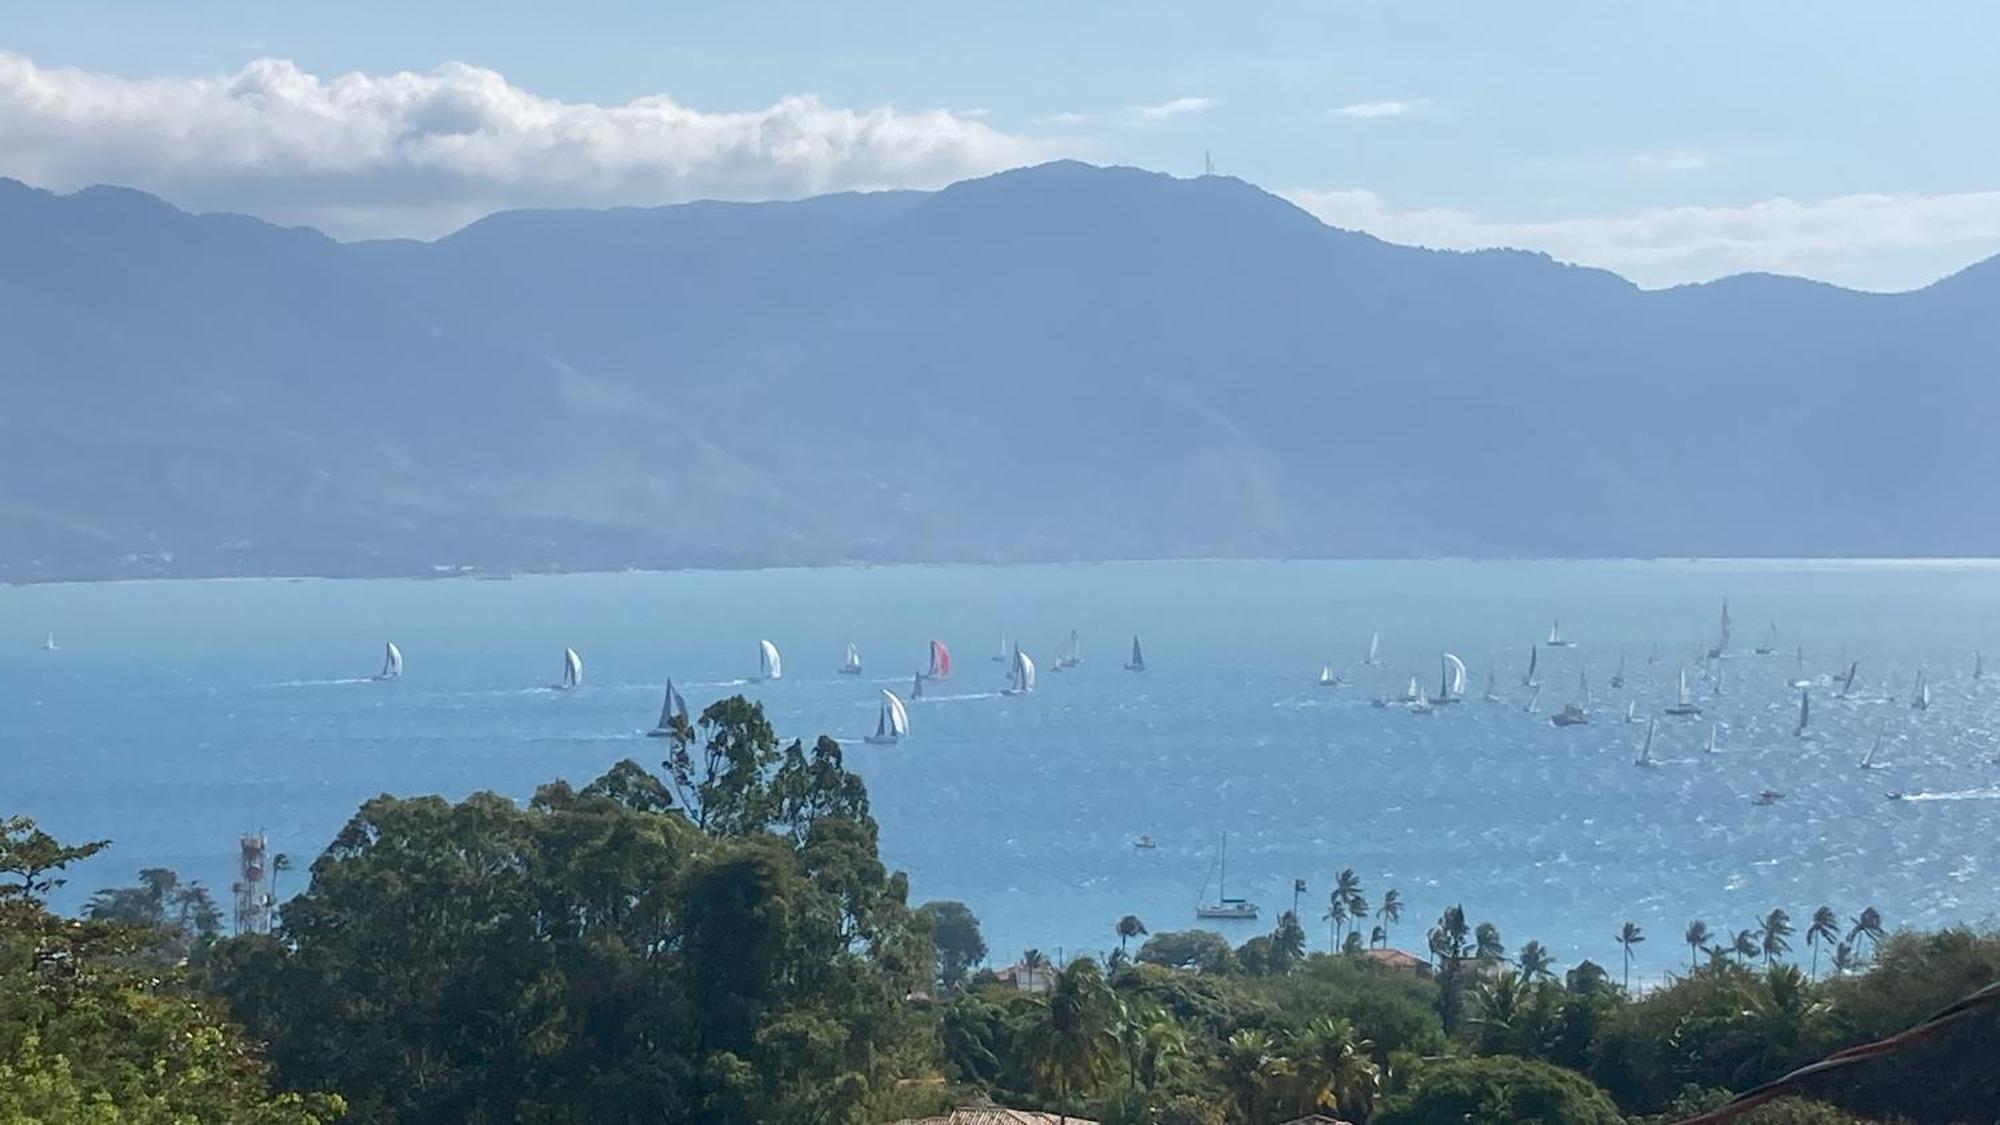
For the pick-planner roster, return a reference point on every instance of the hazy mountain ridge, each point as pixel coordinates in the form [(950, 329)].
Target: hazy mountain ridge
[(1058, 362)]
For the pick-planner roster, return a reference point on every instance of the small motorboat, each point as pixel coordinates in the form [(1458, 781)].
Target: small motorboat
[(1768, 797)]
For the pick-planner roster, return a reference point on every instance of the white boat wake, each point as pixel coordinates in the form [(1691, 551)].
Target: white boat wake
[(1991, 793)]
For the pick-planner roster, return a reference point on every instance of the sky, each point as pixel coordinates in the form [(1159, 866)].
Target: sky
[(1845, 141)]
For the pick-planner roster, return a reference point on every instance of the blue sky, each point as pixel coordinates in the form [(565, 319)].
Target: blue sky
[(1842, 140)]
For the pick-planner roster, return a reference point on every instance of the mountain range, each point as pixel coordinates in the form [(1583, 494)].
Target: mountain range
[(1058, 362)]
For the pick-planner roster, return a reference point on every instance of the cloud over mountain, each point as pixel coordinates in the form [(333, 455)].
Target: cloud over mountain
[(422, 153)]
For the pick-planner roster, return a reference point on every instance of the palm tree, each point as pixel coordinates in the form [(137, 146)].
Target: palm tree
[(1073, 1042), (1390, 912), (1777, 926), (1377, 937), (1288, 943), (1746, 945), (1332, 1068), (1844, 960), (1867, 925), (1486, 943), (1536, 963), (1696, 937), (1630, 935), (1336, 913), (1825, 930), (1037, 964), (1157, 1045), (1347, 885), (1500, 1004), (1129, 927), (1249, 1064)]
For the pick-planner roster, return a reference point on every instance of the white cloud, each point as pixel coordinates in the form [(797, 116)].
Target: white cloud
[(1873, 241), (1369, 111), (420, 153), (1167, 111), (1670, 160), (1064, 119)]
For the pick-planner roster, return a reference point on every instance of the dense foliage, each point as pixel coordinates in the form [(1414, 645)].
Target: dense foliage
[(719, 942)]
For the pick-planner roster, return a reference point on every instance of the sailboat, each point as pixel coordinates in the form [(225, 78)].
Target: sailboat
[(1618, 677), (1451, 680), (1413, 691), (49, 645), (1684, 703), (392, 662), (1006, 652), (1556, 636), (1374, 647), (1868, 759), (1722, 642), (1847, 681), (1225, 907), (850, 665), (769, 665), (1710, 747), (1021, 677), (1422, 704), (1646, 748), (1770, 644), (1138, 661), (1721, 670), (1805, 714), (1533, 700), (672, 707), (1071, 653), (893, 723), (1799, 677), (1327, 676), (940, 668), (1577, 713), (572, 671), (1492, 692), (1534, 659), (1920, 696), (917, 686), (1631, 711)]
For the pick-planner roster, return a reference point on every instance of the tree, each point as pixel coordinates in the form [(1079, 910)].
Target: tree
[(1867, 924), (1500, 1002), (1130, 927), (1536, 963), (1498, 1089), (1773, 932), (1352, 947), (1336, 913), (1450, 944), (1251, 1066), (1072, 1045), (1487, 946), (1697, 938), (1587, 978), (280, 864), (31, 860), (956, 943), (182, 916), (1201, 950), (1629, 936), (1288, 944), (1377, 937), (1824, 930), (1746, 945), (1390, 912), (1331, 1068), (1844, 960), (1036, 963)]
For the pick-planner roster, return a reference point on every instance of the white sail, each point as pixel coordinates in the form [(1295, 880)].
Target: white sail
[(1413, 692), (899, 718), (1006, 652), (1022, 678), (1327, 676), (1631, 711), (49, 645), (1618, 677), (572, 669), (1710, 748), (1920, 696), (1374, 646), (392, 662), (1685, 697), (1723, 645), (1533, 700), (1453, 679), (1868, 759), (769, 664), (1556, 634), (851, 663), (1583, 690)]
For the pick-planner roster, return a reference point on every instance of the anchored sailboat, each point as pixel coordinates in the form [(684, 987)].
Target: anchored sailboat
[(769, 665), (893, 723), (572, 676), (940, 668), (1684, 703), (392, 662), (1225, 907), (1646, 747), (1138, 661), (672, 707), (850, 665)]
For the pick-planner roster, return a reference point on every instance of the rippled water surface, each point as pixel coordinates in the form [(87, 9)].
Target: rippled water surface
[(175, 715)]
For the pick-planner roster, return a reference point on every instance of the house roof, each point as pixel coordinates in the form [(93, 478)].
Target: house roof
[(1395, 959), (996, 1115)]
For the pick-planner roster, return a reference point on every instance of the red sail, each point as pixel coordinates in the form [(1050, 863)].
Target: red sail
[(940, 661)]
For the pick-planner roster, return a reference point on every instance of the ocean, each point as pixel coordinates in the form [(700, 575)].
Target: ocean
[(176, 715)]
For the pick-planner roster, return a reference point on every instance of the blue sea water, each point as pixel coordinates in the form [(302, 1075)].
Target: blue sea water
[(177, 715)]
